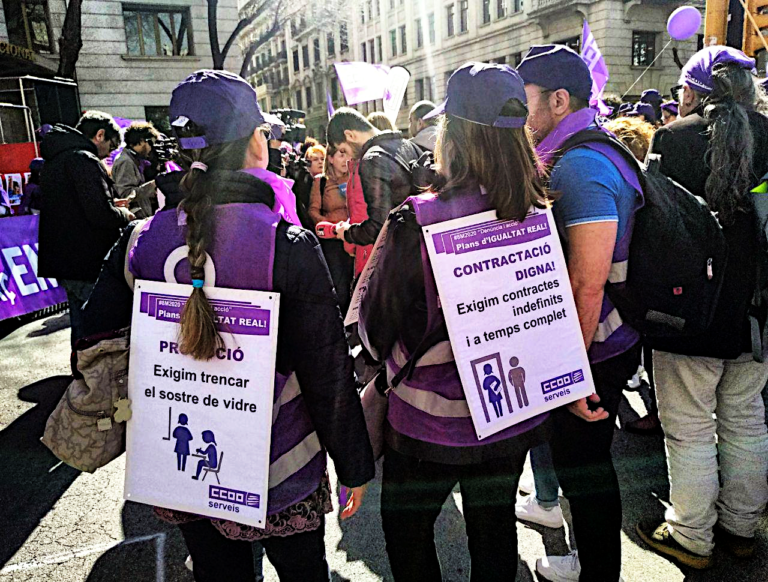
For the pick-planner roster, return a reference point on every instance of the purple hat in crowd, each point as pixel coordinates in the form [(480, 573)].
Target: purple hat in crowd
[(554, 67), (221, 105), (697, 72), (643, 110), (670, 107), (478, 92), (651, 96)]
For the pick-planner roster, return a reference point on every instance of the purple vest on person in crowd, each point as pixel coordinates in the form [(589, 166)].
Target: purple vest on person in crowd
[(613, 337), (242, 256), (431, 406)]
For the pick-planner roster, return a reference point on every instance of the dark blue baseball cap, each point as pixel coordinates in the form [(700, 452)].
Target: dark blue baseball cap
[(643, 110), (221, 105), (651, 96), (478, 92), (556, 66)]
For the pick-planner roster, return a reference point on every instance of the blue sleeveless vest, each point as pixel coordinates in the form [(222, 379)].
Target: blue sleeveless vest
[(242, 256), (431, 406)]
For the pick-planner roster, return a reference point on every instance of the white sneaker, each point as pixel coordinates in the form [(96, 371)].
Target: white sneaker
[(188, 564), (526, 485), (561, 568), (530, 511)]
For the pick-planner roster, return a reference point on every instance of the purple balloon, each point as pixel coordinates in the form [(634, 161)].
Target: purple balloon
[(684, 22)]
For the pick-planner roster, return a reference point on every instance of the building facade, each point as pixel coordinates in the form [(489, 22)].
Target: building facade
[(294, 68), (133, 54), (432, 38)]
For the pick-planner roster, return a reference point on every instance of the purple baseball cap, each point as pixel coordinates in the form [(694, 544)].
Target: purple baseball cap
[(651, 96), (555, 66), (697, 72), (222, 105), (478, 92), (670, 106)]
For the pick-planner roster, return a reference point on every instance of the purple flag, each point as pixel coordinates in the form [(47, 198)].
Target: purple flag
[(330, 105), (591, 55), (362, 82)]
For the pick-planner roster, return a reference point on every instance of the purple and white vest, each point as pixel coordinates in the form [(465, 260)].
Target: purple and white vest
[(431, 406), (242, 256)]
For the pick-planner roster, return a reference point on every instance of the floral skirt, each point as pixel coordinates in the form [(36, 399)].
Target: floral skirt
[(306, 515)]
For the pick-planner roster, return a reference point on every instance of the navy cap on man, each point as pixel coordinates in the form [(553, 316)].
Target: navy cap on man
[(554, 67)]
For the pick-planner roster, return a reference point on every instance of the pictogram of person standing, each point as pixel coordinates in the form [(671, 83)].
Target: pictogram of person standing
[(493, 385), (517, 379)]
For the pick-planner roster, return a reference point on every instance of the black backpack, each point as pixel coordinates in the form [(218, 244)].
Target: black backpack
[(677, 255), (758, 310)]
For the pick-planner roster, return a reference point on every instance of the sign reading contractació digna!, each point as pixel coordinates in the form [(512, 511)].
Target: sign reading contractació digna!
[(511, 317)]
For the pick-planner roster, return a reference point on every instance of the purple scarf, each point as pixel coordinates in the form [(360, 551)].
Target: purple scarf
[(574, 123), (285, 201)]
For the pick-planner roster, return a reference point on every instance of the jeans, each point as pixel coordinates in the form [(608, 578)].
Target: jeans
[(544, 477), (78, 293), (717, 466), (297, 558), (581, 451), (413, 492)]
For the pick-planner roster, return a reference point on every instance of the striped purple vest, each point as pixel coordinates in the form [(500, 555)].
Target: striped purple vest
[(242, 256), (430, 406), (613, 337)]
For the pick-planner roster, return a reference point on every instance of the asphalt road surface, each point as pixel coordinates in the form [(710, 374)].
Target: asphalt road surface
[(57, 524)]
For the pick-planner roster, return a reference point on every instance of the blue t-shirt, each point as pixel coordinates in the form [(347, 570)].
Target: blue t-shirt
[(592, 190)]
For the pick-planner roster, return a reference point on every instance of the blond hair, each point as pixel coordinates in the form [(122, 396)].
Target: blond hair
[(633, 132)]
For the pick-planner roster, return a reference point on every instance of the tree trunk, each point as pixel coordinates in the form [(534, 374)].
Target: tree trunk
[(213, 34), (71, 40)]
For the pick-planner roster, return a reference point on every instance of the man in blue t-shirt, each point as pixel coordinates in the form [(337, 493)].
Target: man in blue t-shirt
[(593, 213)]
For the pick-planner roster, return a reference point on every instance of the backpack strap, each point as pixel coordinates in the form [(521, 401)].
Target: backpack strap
[(596, 136), (430, 339), (323, 182)]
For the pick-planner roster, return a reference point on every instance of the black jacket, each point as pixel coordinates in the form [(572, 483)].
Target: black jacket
[(78, 221), (311, 337), (683, 147), (385, 175)]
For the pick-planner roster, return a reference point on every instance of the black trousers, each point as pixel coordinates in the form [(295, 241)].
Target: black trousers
[(581, 452), (412, 495), (342, 267), (297, 558)]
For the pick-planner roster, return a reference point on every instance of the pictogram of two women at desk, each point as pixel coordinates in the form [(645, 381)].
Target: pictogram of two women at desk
[(209, 456)]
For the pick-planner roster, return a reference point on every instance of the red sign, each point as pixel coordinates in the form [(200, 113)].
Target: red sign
[(14, 168)]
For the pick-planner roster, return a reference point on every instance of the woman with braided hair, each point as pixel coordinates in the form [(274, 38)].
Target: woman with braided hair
[(236, 228)]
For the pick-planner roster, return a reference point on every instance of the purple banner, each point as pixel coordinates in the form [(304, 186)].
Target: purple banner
[(238, 317), (491, 235), (21, 291)]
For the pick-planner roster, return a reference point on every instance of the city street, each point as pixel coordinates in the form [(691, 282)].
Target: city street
[(57, 524)]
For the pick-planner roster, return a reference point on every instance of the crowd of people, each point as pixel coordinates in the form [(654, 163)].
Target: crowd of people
[(496, 143)]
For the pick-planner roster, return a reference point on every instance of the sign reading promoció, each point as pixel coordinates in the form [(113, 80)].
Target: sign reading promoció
[(199, 437), (511, 317)]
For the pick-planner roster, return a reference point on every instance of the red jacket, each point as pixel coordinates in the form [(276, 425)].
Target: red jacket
[(358, 213)]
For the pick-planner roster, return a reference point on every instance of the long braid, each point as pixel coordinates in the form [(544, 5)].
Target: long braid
[(198, 335)]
